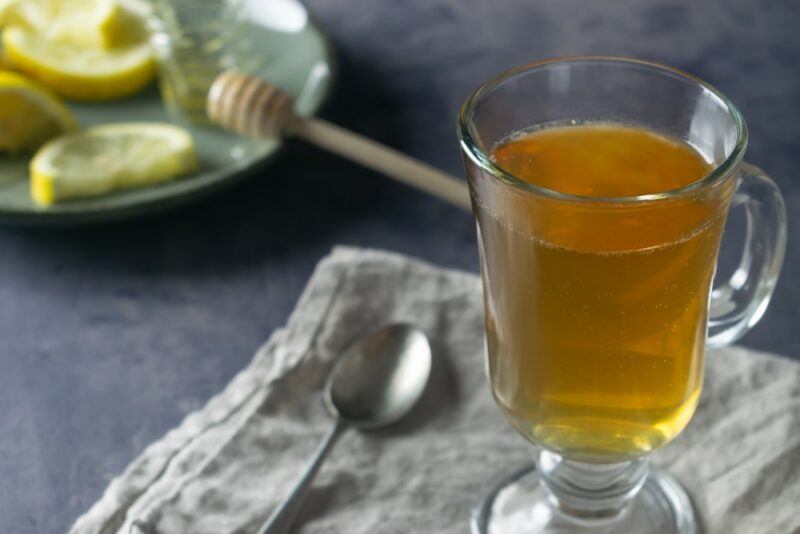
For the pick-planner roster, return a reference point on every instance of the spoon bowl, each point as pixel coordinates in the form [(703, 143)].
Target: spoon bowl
[(379, 378), (375, 383)]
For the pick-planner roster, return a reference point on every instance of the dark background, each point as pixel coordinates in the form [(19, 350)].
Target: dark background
[(111, 334)]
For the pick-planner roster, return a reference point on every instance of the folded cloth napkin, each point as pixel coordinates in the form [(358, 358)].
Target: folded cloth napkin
[(227, 465)]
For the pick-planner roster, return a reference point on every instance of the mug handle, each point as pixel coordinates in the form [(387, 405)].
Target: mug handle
[(741, 301)]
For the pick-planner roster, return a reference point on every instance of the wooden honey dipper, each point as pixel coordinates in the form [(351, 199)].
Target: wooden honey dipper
[(252, 107)]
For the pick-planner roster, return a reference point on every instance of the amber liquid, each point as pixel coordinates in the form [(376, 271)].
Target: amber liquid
[(596, 315)]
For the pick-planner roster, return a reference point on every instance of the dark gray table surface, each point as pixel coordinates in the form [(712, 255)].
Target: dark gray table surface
[(111, 334)]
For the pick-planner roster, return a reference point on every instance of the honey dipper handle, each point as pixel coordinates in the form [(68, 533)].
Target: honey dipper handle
[(381, 158)]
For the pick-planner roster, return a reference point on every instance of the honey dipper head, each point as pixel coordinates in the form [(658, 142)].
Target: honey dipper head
[(248, 106)]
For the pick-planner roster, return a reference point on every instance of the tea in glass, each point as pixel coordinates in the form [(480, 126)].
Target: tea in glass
[(596, 331)]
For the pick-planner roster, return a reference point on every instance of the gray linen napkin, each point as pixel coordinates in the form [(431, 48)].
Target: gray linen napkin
[(227, 465)]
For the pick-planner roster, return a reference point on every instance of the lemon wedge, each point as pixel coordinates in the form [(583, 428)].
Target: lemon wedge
[(29, 114), (110, 157)]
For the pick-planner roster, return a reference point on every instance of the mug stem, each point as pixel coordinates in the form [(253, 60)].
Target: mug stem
[(590, 494)]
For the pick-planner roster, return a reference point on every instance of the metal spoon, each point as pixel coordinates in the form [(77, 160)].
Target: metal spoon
[(375, 383)]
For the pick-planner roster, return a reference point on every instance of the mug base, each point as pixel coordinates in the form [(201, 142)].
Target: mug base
[(519, 504)]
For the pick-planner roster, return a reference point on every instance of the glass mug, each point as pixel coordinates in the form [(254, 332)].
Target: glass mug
[(598, 309)]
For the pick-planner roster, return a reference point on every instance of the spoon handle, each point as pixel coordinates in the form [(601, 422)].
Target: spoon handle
[(281, 520)]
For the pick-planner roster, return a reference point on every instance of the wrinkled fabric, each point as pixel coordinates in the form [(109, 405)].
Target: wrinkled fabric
[(226, 467)]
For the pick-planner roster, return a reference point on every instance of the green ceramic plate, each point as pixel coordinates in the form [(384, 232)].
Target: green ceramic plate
[(297, 57)]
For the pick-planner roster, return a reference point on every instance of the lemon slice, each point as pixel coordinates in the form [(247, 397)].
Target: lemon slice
[(110, 157), (80, 72), (81, 22), (5, 64), (105, 24), (29, 14), (29, 114)]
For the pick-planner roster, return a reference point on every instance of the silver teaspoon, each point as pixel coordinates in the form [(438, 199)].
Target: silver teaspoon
[(374, 384)]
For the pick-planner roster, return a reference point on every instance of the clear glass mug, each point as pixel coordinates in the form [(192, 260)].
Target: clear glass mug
[(599, 310)]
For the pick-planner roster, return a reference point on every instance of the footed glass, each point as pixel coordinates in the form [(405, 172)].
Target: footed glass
[(599, 309)]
